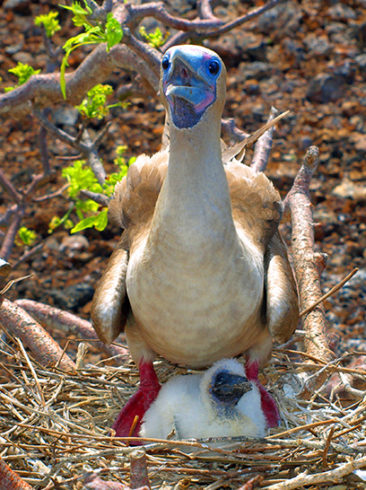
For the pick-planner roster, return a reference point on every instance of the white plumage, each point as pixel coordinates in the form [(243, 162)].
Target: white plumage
[(189, 405)]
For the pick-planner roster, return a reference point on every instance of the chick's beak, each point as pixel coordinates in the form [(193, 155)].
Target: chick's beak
[(229, 388)]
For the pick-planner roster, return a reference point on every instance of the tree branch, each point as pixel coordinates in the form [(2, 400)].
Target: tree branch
[(54, 318), (20, 324), (9, 188), (263, 146), (11, 232), (44, 90), (306, 270)]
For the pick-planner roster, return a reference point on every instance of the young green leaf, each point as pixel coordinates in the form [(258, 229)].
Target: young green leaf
[(23, 72), (113, 31), (25, 236), (99, 222), (155, 39), (110, 33), (80, 177), (49, 22), (79, 12), (94, 105)]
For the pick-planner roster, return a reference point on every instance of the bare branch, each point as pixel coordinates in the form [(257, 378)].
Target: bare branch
[(42, 138), (263, 146), (158, 11), (333, 290), (306, 270), (205, 10), (29, 254), (99, 198), (241, 20), (52, 195), (94, 161), (11, 233), (54, 318), (20, 324), (231, 131), (9, 188), (59, 133), (150, 55), (44, 90), (86, 146)]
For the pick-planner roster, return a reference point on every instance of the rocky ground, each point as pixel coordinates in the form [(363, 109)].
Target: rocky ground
[(307, 57)]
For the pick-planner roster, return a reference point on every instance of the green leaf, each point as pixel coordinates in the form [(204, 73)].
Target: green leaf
[(99, 222), (23, 72), (25, 236), (79, 12), (49, 22), (111, 33), (83, 224), (155, 39), (80, 177), (94, 104), (113, 30)]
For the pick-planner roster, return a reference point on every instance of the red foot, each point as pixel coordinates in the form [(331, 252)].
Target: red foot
[(139, 402), (269, 406)]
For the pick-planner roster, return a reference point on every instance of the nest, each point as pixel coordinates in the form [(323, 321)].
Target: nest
[(54, 433)]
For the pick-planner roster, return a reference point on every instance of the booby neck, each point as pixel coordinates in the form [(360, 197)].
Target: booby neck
[(195, 191)]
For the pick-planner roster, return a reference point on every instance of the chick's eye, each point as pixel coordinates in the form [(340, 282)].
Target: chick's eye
[(165, 63), (214, 67)]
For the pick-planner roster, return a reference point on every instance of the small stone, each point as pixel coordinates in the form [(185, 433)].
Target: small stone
[(23, 57), (325, 88), (348, 189), (73, 245), (65, 116), (280, 21), (340, 11), (294, 49), (318, 45), (72, 297), (18, 6), (252, 87), (346, 70), (14, 48), (305, 142), (257, 70), (361, 64)]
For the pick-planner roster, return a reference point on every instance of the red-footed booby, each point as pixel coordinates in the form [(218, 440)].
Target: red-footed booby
[(201, 272), (221, 402)]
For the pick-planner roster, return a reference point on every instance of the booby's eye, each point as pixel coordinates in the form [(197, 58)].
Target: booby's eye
[(165, 63), (214, 67)]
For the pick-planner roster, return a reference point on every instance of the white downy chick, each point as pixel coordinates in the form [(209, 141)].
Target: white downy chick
[(220, 402)]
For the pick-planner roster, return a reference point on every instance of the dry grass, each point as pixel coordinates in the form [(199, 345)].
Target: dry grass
[(54, 431)]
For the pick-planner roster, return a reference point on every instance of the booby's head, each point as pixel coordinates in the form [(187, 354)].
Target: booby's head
[(192, 84), (225, 384)]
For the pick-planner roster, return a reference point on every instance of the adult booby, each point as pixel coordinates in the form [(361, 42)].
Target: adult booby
[(201, 272)]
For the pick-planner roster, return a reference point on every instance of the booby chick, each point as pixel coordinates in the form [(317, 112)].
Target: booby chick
[(220, 402), (201, 272)]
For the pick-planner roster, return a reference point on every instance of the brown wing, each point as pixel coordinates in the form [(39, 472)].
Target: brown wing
[(282, 308), (255, 203), (132, 207), (257, 211)]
